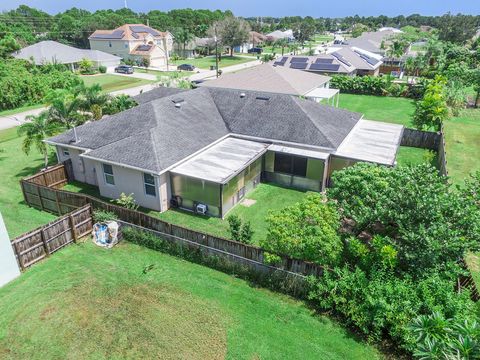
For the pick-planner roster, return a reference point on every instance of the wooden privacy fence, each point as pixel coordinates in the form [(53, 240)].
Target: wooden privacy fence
[(37, 244), (61, 202), (427, 140)]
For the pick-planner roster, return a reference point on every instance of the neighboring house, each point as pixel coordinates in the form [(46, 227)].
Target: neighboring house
[(52, 52), (254, 40), (134, 42), (350, 61), (204, 149), (277, 79), (374, 41), (278, 34)]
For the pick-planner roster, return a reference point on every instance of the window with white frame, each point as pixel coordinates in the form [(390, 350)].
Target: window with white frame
[(108, 174), (149, 182), (65, 152)]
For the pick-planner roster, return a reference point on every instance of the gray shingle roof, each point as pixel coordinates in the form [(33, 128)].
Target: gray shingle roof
[(157, 93), (157, 134)]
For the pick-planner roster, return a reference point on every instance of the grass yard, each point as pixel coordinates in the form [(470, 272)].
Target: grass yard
[(381, 108), (415, 156), (88, 302), (462, 138), (164, 73), (14, 165), (206, 62), (110, 82), (267, 197)]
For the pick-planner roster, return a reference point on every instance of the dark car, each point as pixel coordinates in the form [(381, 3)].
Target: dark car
[(255, 50), (124, 69), (186, 67)]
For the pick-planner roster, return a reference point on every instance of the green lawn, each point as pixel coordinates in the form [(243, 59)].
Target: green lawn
[(88, 302), (165, 73), (267, 197), (381, 108), (14, 165), (415, 156), (110, 82), (20, 109), (206, 62), (462, 137)]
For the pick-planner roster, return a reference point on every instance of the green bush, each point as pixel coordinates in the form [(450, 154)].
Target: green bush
[(101, 216), (126, 201), (102, 69), (307, 230), (239, 230)]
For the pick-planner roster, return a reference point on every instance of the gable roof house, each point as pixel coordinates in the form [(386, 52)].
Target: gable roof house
[(52, 52), (134, 42), (204, 149)]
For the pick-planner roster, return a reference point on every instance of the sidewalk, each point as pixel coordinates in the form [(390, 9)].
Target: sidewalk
[(9, 121)]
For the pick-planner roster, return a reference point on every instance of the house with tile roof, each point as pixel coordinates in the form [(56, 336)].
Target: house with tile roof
[(202, 150), (134, 42)]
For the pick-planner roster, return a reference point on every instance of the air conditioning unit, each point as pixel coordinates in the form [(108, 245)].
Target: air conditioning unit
[(201, 209)]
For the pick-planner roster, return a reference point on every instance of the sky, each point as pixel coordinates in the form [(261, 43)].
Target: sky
[(276, 8)]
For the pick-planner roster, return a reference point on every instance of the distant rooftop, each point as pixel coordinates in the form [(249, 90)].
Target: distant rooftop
[(127, 32)]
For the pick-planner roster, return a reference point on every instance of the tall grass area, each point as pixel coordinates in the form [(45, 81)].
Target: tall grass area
[(110, 82), (88, 302), (14, 165)]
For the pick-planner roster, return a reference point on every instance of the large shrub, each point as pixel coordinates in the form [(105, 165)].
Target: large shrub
[(22, 83), (432, 110), (427, 223), (307, 230)]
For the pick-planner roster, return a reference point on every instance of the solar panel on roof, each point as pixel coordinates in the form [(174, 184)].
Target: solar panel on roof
[(144, 29), (298, 65), (279, 63), (299, 59), (324, 61), (144, 47), (117, 34), (284, 59), (341, 59), (324, 67)]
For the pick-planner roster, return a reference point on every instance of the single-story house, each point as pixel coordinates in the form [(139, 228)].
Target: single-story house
[(134, 42), (278, 34), (52, 52), (350, 61), (254, 40), (202, 150), (280, 80)]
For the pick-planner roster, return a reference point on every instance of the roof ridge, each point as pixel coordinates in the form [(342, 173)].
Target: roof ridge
[(297, 100)]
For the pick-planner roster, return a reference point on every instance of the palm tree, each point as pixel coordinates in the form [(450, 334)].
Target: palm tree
[(64, 111), (293, 47), (36, 131), (182, 37), (282, 43), (93, 100)]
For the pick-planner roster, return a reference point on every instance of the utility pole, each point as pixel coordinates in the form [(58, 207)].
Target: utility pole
[(125, 4), (216, 52)]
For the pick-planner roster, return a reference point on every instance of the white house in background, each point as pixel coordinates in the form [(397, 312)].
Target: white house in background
[(134, 42), (278, 34), (52, 52), (8, 264)]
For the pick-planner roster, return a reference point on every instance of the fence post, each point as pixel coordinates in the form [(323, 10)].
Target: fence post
[(19, 257), (45, 179), (74, 230), (45, 245), (23, 192), (39, 197), (58, 203)]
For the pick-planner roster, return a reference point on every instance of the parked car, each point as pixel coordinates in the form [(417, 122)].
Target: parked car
[(186, 67), (255, 50), (124, 69)]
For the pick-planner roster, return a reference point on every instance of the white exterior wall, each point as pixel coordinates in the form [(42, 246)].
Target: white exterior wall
[(8, 264), (130, 181), (120, 48), (83, 169)]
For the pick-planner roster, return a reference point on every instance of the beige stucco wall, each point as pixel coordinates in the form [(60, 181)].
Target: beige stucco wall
[(130, 181), (83, 169)]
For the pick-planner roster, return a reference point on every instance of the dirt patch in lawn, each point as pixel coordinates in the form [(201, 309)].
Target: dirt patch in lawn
[(248, 202)]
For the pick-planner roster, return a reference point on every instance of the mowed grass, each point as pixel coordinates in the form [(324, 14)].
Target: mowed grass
[(14, 165), (462, 139), (206, 62), (110, 82), (415, 156), (86, 302), (394, 110)]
